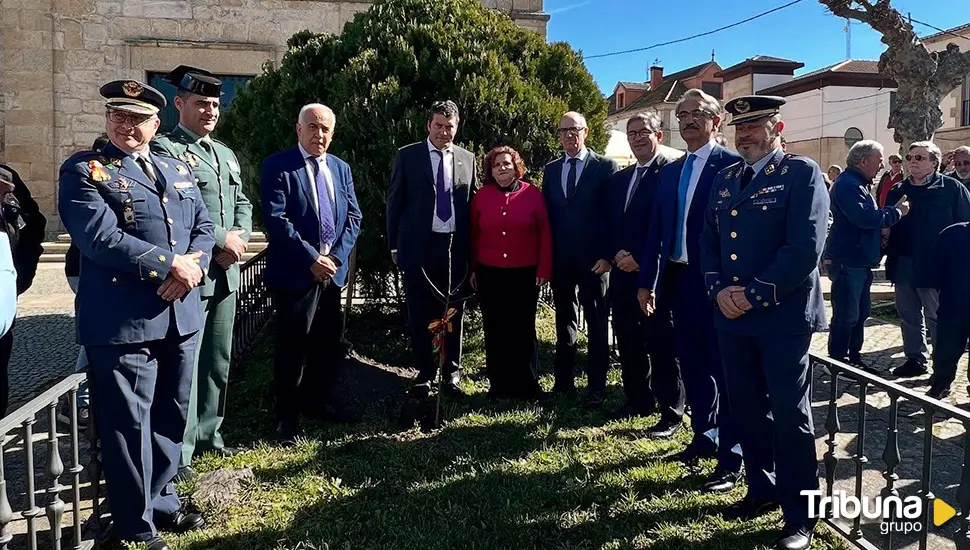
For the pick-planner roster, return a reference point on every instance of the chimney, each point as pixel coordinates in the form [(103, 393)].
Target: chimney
[(656, 76)]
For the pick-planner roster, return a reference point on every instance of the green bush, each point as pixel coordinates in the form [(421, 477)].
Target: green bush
[(382, 74)]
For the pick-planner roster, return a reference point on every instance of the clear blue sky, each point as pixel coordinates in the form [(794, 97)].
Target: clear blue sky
[(804, 32)]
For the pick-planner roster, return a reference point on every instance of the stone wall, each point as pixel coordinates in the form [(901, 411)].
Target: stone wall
[(54, 55)]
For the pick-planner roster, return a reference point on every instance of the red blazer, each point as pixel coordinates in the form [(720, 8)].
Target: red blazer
[(511, 229)]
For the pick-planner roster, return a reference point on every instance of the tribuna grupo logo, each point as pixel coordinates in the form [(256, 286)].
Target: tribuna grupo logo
[(898, 515)]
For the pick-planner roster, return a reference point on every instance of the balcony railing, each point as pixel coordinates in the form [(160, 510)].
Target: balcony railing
[(20, 478)]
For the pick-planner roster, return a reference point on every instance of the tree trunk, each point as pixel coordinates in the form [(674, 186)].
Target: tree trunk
[(923, 78)]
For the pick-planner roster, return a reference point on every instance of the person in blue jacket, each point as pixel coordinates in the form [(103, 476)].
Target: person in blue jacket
[(854, 248)]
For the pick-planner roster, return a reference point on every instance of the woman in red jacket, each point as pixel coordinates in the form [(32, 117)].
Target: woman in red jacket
[(511, 259)]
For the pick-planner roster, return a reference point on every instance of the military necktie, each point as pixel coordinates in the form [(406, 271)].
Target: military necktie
[(641, 170), (442, 200), (148, 168), (682, 189), (571, 178), (207, 147), (746, 176)]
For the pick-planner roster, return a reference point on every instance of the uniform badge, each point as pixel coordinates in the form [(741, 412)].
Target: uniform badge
[(181, 169), (191, 159), (132, 89), (729, 174), (98, 171), (123, 184), (742, 106), (784, 170), (129, 215), (770, 170), (725, 193), (183, 184)]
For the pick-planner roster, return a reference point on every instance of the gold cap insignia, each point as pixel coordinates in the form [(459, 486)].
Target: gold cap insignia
[(742, 106), (132, 89)]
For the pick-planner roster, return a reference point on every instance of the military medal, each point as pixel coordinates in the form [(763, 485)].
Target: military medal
[(129, 214), (725, 193), (123, 184), (98, 172)]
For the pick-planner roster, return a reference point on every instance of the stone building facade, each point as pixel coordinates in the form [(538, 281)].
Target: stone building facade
[(54, 54)]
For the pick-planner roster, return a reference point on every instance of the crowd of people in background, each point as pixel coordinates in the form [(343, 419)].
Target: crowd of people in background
[(706, 262)]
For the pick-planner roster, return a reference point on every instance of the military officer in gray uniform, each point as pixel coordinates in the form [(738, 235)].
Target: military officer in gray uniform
[(145, 239), (219, 181), (760, 249)]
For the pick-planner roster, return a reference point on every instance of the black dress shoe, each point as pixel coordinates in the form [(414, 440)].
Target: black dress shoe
[(748, 509), (721, 481), (938, 392), (628, 411), (692, 454), (910, 369), (795, 537), (185, 474), (156, 543), (666, 428), (182, 522)]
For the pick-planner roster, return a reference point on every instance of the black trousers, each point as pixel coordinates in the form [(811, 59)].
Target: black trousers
[(952, 334), (592, 297), (307, 347), (509, 298), (646, 346), (6, 349), (426, 305)]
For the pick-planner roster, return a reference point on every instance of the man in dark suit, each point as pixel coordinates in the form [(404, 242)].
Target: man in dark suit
[(672, 273), (760, 249), (576, 188), (645, 343), (431, 190), (312, 220), (145, 238)]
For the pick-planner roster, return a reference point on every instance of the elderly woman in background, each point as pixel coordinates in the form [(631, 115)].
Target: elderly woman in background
[(936, 202), (511, 259)]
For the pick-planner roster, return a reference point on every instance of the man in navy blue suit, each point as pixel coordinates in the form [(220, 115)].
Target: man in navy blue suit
[(312, 219), (672, 273), (646, 346), (760, 249), (575, 187), (145, 238)]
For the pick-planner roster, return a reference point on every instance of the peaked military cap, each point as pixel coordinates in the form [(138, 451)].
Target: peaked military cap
[(753, 107), (6, 176), (133, 96), (195, 81)]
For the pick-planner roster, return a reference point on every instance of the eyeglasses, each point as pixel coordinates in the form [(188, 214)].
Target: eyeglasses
[(576, 130), (918, 158), (121, 117), (642, 134), (961, 163), (696, 114)]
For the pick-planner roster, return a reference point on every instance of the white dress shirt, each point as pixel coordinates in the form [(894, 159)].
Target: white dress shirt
[(700, 161), (633, 178), (582, 155), (448, 154), (8, 285), (312, 178)]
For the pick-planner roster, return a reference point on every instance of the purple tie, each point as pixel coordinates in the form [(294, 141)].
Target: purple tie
[(327, 233), (442, 201)]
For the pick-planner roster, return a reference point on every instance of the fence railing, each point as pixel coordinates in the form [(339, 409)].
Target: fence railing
[(19, 491)]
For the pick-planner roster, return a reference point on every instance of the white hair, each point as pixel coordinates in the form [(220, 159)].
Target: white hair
[(311, 106), (965, 149), (862, 150), (706, 101), (931, 148)]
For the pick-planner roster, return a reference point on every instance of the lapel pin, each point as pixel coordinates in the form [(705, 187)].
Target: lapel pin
[(784, 170), (770, 170), (725, 193)]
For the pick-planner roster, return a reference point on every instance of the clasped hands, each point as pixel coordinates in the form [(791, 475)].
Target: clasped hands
[(184, 275), (233, 251), (732, 301), (624, 260)]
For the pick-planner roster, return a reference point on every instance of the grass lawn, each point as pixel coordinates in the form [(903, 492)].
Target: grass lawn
[(498, 475)]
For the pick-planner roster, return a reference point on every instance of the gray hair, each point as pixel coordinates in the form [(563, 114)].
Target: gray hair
[(706, 101), (311, 106), (447, 109), (861, 150), (650, 120), (931, 148), (962, 149)]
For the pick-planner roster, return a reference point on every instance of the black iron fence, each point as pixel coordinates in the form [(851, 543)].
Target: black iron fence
[(21, 480)]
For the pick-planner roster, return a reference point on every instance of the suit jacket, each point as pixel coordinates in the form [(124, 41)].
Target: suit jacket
[(580, 227), (25, 226), (659, 244), (411, 203), (628, 225), (129, 231), (221, 188), (768, 239), (293, 225)]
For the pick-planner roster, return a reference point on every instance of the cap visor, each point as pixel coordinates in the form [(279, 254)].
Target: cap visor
[(749, 118)]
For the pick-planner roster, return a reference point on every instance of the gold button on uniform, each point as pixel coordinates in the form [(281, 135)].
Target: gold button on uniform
[(735, 279), (734, 256), (165, 199), (758, 298), (734, 212), (764, 207), (170, 221), (734, 234), (153, 274), (765, 304), (161, 258), (174, 243)]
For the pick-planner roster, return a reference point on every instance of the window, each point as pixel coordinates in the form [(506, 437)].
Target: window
[(619, 101), (965, 104), (712, 88), (852, 136), (169, 115)]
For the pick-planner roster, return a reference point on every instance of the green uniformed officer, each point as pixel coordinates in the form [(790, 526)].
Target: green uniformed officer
[(217, 171)]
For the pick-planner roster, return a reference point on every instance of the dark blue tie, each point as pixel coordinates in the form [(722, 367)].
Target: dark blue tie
[(571, 178), (327, 233), (636, 183), (746, 177), (442, 199), (682, 205)]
